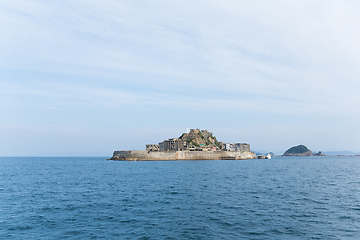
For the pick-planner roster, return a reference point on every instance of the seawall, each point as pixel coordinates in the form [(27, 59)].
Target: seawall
[(181, 155)]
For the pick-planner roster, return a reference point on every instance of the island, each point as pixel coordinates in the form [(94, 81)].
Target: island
[(195, 144), (301, 150)]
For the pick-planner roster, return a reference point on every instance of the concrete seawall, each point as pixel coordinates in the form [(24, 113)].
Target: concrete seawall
[(181, 155)]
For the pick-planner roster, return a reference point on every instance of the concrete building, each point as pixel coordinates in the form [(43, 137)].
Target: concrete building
[(173, 144), (234, 147), (152, 147)]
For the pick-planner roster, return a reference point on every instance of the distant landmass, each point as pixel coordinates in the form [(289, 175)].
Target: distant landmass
[(301, 150), (341, 153)]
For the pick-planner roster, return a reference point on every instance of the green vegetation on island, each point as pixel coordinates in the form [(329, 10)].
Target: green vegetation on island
[(200, 138)]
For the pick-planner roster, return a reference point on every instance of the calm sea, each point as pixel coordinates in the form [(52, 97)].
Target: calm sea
[(89, 198)]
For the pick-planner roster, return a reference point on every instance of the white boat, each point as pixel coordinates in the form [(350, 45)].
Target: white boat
[(268, 156)]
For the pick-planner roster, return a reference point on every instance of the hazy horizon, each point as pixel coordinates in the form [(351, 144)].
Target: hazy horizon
[(86, 78)]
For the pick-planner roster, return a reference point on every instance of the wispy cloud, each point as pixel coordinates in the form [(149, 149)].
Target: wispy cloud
[(57, 95)]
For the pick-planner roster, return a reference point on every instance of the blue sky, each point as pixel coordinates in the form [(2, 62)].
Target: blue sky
[(83, 78)]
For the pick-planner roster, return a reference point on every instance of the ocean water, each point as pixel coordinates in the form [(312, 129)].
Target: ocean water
[(89, 198)]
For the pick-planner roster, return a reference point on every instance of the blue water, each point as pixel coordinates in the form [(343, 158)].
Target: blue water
[(88, 198)]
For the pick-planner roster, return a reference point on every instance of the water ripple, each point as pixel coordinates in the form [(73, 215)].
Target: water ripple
[(87, 198)]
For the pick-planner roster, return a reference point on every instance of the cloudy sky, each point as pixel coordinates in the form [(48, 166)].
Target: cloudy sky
[(87, 77)]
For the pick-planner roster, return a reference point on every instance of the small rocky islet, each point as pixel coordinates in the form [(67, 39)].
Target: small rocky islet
[(300, 150)]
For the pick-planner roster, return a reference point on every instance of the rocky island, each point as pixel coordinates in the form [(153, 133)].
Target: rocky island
[(301, 150), (194, 145)]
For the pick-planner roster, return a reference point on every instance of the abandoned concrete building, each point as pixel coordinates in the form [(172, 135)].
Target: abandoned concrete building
[(241, 147), (152, 147), (173, 144)]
